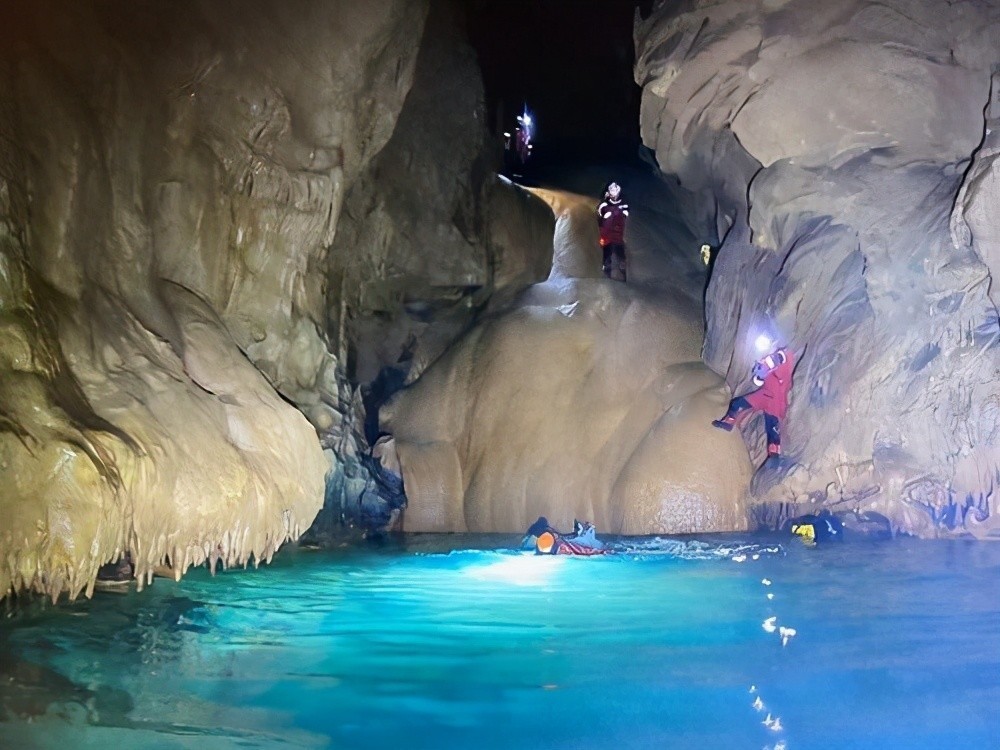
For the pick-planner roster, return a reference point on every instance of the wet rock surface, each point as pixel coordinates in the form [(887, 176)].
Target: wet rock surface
[(841, 159), (171, 177), (585, 398)]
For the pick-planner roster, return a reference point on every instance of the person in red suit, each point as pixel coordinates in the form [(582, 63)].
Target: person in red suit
[(548, 541), (611, 215), (772, 375), (523, 140)]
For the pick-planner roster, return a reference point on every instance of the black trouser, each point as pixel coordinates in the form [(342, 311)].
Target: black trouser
[(739, 405), (614, 254)]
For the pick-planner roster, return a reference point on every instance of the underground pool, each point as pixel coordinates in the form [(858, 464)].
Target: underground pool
[(455, 642)]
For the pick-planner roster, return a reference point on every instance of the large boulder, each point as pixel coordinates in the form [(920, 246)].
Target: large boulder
[(826, 145)]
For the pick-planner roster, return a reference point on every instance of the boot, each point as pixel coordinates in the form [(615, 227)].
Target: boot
[(726, 423)]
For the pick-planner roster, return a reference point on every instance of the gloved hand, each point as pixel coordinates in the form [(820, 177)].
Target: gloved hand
[(760, 370)]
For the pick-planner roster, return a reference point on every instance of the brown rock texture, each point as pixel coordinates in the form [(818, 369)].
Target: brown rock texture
[(585, 398), (841, 158), (171, 177)]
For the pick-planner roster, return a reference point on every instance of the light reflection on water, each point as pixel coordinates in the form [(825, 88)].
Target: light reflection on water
[(668, 646)]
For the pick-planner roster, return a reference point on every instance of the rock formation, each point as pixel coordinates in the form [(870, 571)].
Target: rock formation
[(428, 226), (171, 176), (843, 159), (429, 238), (585, 398), (213, 212)]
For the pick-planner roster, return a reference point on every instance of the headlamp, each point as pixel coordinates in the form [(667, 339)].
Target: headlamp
[(763, 343)]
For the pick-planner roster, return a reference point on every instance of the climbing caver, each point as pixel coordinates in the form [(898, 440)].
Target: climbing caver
[(773, 377)]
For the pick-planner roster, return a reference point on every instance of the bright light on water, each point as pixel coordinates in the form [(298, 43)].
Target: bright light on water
[(520, 570), (671, 645)]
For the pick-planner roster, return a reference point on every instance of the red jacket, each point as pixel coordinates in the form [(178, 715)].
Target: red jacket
[(772, 396), (611, 216)]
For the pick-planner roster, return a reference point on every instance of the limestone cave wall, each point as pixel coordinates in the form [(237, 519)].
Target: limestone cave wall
[(171, 178), (842, 159), (430, 240)]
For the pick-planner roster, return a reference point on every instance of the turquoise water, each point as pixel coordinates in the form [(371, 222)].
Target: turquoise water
[(895, 645)]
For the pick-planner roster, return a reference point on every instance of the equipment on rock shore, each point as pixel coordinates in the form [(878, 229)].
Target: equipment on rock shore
[(817, 528)]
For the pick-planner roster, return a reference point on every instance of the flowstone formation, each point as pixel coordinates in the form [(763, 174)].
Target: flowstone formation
[(171, 176), (844, 159), (584, 398)]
